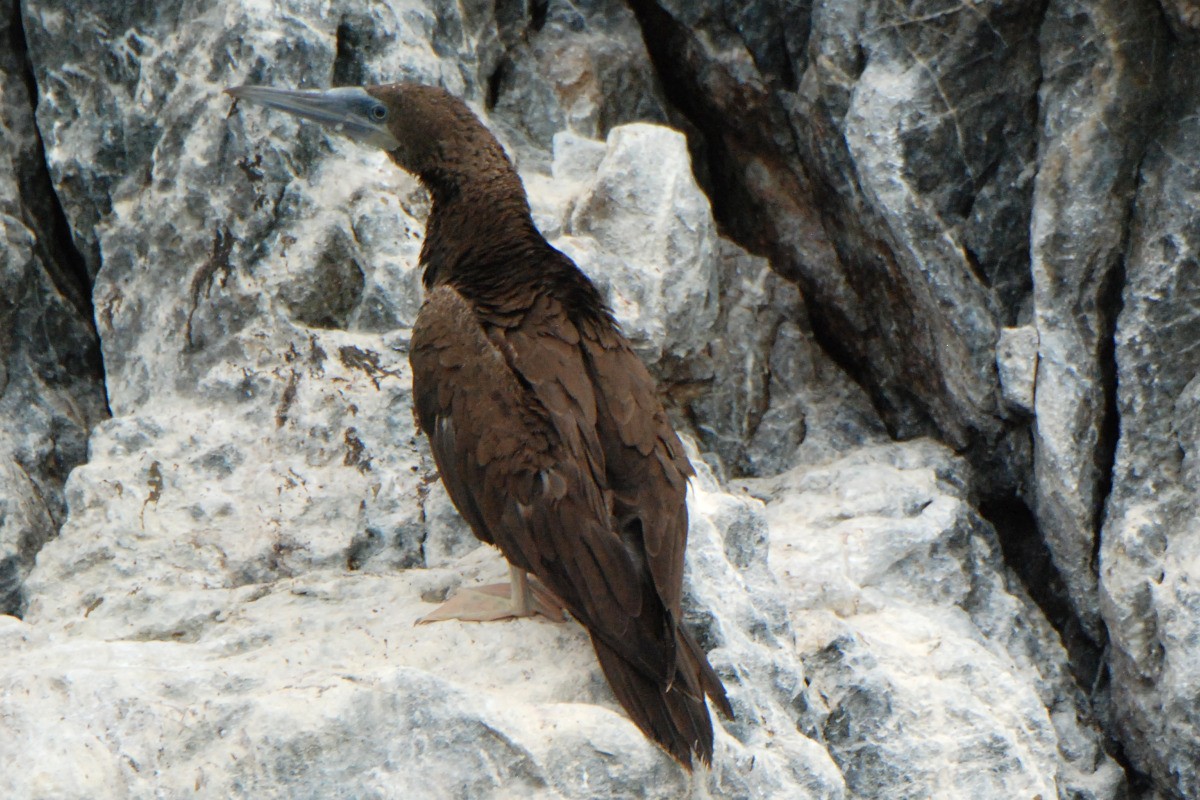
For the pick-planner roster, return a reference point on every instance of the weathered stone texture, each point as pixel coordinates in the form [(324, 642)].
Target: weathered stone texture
[(51, 390), (822, 223), (1150, 542), (1101, 69)]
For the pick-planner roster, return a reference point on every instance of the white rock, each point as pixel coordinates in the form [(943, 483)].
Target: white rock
[(1017, 362), (320, 683), (645, 230), (941, 679)]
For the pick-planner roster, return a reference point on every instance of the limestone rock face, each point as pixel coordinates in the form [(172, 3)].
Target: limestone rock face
[(1150, 539), (1093, 136), (913, 631), (314, 682), (51, 382), (917, 282), (886, 166)]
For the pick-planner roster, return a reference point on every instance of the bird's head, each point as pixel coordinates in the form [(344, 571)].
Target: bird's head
[(426, 130)]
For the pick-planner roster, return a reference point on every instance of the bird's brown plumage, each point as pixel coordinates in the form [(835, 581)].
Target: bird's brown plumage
[(544, 423), (552, 442), (552, 445)]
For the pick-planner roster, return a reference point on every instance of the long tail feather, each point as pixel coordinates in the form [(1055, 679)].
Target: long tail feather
[(709, 682), (675, 717)]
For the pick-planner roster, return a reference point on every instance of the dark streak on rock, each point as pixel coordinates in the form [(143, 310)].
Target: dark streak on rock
[(252, 169), (365, 360), (316, 354), (218, 261), (364, 545), (154, 485), (347, 66), (359, 39), (277, 559), (12, 597), (254, 174), (1111, 303), (287, 399), (356, 452), (494, 82), (538, 10)]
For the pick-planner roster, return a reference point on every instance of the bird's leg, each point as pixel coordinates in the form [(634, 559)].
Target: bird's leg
[(519, 594), (520, 597)]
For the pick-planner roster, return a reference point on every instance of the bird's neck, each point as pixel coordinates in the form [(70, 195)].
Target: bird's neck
[(480, 232)]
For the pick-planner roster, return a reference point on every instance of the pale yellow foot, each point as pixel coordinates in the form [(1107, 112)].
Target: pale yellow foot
[(519, 597)]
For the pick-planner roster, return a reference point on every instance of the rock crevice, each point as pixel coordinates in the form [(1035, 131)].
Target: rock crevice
[(51, 371)]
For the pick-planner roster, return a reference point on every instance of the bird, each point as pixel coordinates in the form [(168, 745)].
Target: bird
[(545, 425)]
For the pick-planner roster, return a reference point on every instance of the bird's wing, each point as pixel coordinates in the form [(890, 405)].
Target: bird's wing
[(511, 416), (647, 470)]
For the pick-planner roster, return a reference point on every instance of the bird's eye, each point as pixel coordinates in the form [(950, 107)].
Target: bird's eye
[(379, 113)]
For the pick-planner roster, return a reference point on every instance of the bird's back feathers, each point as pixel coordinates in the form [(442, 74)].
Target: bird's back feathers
[(551, 441)]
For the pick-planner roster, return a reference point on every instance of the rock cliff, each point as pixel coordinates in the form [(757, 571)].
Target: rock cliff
[(919, 283)]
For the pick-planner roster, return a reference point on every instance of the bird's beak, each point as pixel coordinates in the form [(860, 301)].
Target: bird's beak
[(349, 111)]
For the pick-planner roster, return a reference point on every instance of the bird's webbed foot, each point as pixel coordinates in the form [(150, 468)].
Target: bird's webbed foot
[(520, 597)]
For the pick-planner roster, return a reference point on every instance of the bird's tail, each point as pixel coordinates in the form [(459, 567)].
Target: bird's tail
[(675, 716)]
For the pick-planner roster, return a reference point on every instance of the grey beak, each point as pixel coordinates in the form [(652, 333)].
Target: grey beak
[(349, 111)]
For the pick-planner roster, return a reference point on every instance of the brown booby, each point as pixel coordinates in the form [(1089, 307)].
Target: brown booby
[(543, 422)]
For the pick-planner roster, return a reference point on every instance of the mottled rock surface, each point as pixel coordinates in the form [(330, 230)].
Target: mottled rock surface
[(826, 226), (51, 389), (1094, 129), (1150, 550), (914, 633), (887, 167), (194, 674)]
